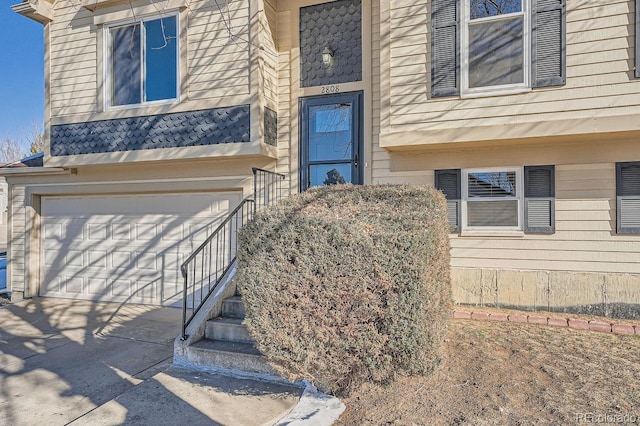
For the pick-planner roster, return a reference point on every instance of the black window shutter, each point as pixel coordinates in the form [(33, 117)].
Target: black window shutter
[(628, 198), (638, 38), (445, 47), (448, 181), (548, 43), (539, 199)]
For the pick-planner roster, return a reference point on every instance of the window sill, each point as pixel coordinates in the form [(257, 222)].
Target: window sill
[(493, 233), (495, 92), (164, 102)]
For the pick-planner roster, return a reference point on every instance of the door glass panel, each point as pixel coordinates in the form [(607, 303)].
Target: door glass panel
[(329, 174), (330, 132)]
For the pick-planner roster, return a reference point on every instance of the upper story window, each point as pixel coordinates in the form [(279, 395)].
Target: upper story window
[(486, 47), (495, 41), (142, 61)]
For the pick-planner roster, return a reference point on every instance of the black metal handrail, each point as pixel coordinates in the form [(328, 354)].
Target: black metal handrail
[(209, 264), (267, 187)]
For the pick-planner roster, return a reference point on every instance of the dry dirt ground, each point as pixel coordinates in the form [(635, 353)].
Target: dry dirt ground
[(512, 374)]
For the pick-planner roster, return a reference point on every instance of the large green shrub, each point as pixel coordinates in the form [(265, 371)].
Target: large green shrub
[(346, 284)]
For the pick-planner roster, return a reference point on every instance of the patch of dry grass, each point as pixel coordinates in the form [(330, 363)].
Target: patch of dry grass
[(510, 374)]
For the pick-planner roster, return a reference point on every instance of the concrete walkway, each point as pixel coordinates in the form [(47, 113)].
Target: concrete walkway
[(75, 362)]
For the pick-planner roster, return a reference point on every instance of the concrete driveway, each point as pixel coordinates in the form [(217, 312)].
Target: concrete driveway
[(76, 362)]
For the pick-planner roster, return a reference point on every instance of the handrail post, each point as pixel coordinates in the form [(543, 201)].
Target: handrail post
[(184, 309), (255, 190)]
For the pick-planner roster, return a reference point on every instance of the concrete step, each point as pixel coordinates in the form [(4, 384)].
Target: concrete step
[(227, 330), (243, 357), (233, 307)]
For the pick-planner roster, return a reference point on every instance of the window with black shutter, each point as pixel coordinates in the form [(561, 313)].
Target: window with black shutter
[(445, 52), (628, 197), (448, 181), (487, 46), (500, 199), (539, 199)]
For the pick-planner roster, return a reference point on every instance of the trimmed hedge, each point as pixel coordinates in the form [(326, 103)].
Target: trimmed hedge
[(347, 284)]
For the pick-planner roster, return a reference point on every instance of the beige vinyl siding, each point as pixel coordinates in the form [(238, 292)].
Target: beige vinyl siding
[(218, 50), (217, 55), (73, 61), (285, 163), (585, 239), (380, 168), (17, 243), (268, 53), (599, 74)]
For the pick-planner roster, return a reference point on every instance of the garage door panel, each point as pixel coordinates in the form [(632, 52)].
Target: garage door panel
[(53, 284), (121, 231), (73, 285), (120, 259), (74, 258), (96, 232), (97, 259), (173, 232), (51, 257), (97, 286), (53, 232), (146, 261), (125, 248), (120, 288), (146, 231)]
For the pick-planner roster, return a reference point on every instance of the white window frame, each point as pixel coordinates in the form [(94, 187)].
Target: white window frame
[(519, 197), (107, 77), (525, 86)]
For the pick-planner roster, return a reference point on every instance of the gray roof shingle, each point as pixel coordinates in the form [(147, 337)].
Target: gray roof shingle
[(175, 130)]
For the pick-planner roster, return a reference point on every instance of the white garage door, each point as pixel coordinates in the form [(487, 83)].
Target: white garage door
[(125, 248)]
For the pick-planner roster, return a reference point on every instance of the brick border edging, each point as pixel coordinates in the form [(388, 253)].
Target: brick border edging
[(576, 323)]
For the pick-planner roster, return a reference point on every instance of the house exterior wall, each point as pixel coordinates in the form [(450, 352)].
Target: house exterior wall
[(267, 18), (600, 94), (216, 70), (4, 196), (219, 69), (291, 89), (582, 128), (24, 258), (16, 239), (111, 151)]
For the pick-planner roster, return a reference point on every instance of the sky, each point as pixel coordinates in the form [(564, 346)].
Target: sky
[(21, 73)]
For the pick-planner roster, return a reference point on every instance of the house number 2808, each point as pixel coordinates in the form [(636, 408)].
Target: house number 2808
[(330, 89)]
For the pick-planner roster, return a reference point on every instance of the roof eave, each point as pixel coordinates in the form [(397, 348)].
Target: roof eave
[(38, 10), (31, 171)]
